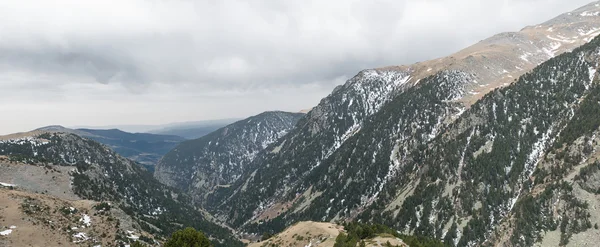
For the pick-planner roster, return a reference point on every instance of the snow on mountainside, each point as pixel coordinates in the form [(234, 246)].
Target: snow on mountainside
[(218, 159), (495, 145), (362, 149), (466, 181), (34, 219), (502, 58), (461, 181), (70, 167)]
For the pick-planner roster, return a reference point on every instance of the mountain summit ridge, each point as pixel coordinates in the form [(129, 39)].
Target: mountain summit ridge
[(366, 148), (498, 60)]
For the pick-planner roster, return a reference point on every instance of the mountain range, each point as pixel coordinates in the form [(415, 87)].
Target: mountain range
[(143, 148), (192, 130), (495, 145), (67, 167), (446, 148), (187, 130)]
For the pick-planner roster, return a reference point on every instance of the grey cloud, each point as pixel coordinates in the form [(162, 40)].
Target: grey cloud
[(101, 67), (200, 53), (251, 45)]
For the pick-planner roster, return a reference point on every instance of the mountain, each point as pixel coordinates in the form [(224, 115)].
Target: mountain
[(187, 130), (70, 167), (495, 145), (446, 148), (218, 159), (466, 181), (144, 148), (147, 149), (192, 130)]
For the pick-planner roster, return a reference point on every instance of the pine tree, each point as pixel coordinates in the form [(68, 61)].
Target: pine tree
[(188, 237)]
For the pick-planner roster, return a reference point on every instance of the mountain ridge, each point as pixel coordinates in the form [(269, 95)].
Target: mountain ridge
[(500, 59), (97, 173), (144, 148), (219, 158), (388, 118), (495, 145)]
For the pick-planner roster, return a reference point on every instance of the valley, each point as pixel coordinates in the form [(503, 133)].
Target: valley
[(497, 144)]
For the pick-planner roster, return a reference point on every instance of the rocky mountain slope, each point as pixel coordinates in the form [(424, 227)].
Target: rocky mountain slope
[(32, 219), (303, 234), (218, 159), (466, 181), (144, 148), (350, 234), (322, 234), (443, 148), (69, 167), (495, 145)]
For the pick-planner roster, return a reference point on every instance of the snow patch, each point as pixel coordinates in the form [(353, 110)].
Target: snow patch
[(5, 232), (525, 57), (132, 235), (80, 237), (33, 141), (8, 185), (461, 163), (590, 32), (86, 220), (538, 149), (533, 158), (561, 39), (158, 211), (460, 112), (589, 13), (552, 49)]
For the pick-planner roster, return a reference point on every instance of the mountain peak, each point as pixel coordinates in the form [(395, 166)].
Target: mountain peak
[(497, 61), (53, 128)]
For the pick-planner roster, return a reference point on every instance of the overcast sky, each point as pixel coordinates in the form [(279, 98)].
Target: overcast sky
[(152, 62)]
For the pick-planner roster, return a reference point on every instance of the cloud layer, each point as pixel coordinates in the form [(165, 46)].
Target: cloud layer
[(147, 62)]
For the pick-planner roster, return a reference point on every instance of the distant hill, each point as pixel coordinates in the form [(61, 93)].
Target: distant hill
[(144, 148), (192, 130), (189, 133), (119, 134), (189, 130)]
